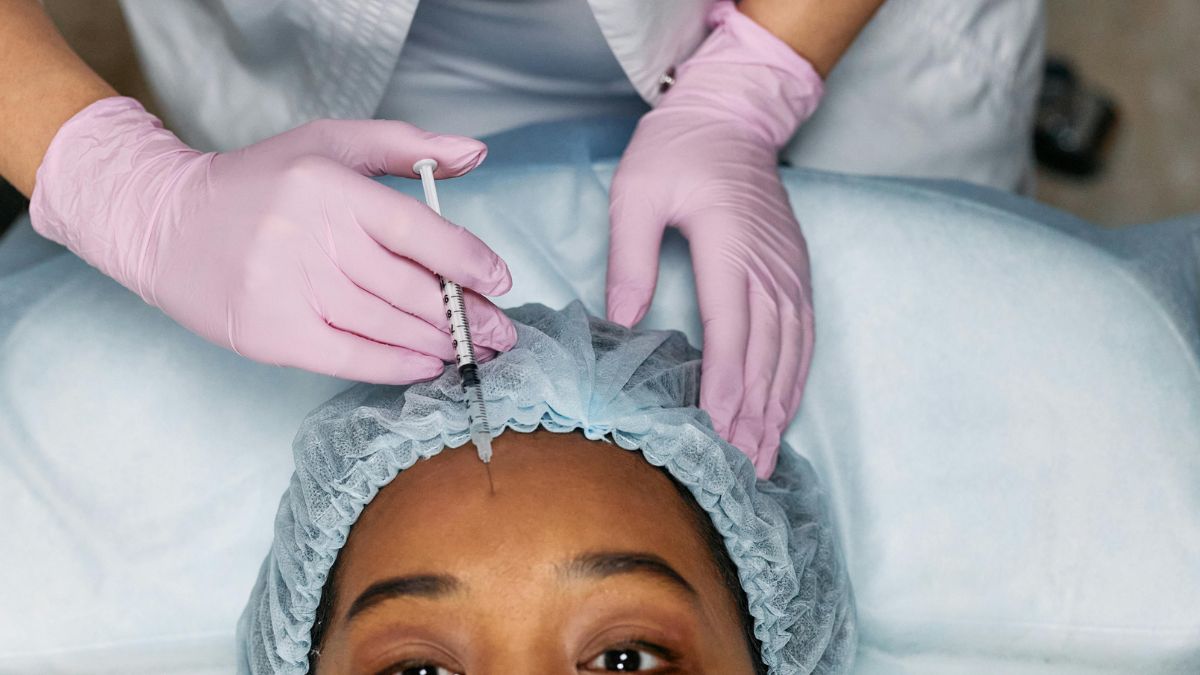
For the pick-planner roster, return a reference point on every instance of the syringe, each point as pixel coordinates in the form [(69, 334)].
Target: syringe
[(460, 331)]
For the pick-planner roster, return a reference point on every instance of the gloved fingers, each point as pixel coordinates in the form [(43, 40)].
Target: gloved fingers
[(783, 399), (349, 308), (798, 338), (721, 288), (412, 230), (354, 357), (498, 332), (635, 240), (414, 289), (484, 354), (749, 432), (379, 147)]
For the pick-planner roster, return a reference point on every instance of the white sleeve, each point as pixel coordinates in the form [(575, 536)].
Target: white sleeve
[(933, 88)]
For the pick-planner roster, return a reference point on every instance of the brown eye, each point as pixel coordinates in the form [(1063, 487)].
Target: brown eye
[(625, 660), (417, 669)]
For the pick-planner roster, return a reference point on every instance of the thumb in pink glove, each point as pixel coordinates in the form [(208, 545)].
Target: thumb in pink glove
[(286, 251), (705, 160)]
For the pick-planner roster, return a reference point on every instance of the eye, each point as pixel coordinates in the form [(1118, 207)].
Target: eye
[(417, 669), (625, 660)]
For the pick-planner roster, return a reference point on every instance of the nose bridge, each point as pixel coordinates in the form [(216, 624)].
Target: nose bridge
[(528, 634), (529, 658), (527, 668)]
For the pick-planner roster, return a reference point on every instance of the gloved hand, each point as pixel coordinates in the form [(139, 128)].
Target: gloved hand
[(705, 160), (284, 251)]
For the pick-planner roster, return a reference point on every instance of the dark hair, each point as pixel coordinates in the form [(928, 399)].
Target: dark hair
[(323, 616), (701, 521)]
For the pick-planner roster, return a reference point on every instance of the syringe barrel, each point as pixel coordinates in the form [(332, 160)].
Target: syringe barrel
[(456, 314), (481, 432), (460, 331)]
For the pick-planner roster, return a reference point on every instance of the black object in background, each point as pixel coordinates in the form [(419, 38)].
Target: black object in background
[(1075, 125), (12, 203)]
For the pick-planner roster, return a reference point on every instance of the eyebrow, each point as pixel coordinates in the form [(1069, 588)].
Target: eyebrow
[(598, 565), (418, 586), (605, 564)]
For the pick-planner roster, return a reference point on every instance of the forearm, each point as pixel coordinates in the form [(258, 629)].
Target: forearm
[(43, 83), (819, 30)]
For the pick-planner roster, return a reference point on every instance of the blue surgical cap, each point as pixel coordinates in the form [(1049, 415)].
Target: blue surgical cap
[(568, 371)]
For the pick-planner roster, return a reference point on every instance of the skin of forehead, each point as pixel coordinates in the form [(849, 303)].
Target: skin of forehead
[(557, 496)]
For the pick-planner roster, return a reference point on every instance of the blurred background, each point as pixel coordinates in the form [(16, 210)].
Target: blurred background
[(1131, 89), (1145, 55)]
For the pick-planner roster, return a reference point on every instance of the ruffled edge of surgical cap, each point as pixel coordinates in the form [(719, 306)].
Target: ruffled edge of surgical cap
[(777, 532)]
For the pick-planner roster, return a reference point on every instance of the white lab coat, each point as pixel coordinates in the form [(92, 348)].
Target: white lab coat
[(936, 88)]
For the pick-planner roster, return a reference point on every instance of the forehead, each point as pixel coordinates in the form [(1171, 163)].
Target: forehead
[(556, 495), (508, 564)]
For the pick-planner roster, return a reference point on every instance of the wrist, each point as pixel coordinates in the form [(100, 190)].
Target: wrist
[(105, 162), (750, 75)]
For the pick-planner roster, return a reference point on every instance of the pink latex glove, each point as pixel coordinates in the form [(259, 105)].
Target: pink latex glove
[(284, 251), (705, 160)]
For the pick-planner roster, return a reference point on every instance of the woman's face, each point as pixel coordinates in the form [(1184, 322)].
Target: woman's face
[(584, 560)]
